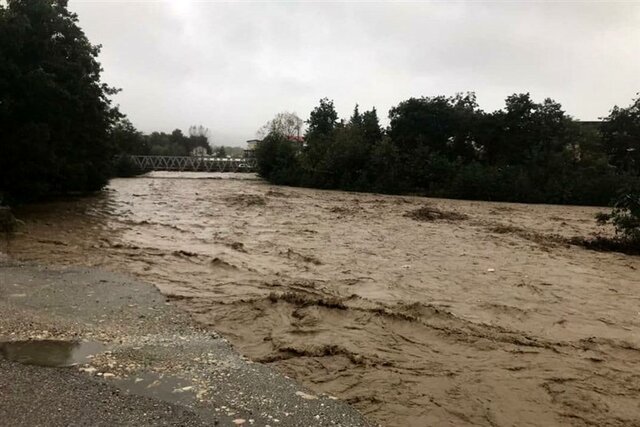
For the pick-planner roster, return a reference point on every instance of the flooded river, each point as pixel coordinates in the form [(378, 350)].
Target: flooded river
[(416, 311)]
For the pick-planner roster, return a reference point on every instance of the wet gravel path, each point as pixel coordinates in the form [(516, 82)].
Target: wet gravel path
[(159, 367), (34, 396)]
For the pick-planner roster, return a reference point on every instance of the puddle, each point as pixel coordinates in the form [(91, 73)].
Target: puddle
[(159, 386), (50, 352)]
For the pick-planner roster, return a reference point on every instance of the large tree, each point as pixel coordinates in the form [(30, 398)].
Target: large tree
[(322, 120), (286, 124), (320, 133), (621, 137), (55, 113), (438, 124)]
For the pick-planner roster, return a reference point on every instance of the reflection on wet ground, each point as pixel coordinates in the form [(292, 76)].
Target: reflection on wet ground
[(50, 353), (164, 387), (475, 316)]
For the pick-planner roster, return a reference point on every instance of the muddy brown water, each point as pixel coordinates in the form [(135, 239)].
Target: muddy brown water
[(479, 314)]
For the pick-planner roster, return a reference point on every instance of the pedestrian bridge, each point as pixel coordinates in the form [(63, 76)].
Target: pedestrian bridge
[(193, 164)]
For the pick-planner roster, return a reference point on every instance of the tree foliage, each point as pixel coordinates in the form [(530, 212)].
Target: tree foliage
[(126, 139), (278, 159), (625, 217), (55, 113), (176, 143), (621, 137), (447, 146), (286, 124)]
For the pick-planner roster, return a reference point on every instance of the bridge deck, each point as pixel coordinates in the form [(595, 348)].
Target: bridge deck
[(193, 164)]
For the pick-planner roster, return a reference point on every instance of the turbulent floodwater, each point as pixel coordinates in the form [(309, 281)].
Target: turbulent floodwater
[(482, 318)]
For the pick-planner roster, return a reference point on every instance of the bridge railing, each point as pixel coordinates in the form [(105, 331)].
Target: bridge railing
[(193, 163)]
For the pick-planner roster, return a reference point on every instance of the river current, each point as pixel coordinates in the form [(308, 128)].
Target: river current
[(478, 315)]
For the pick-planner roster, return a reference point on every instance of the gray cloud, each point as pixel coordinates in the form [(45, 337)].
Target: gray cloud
[(232, 66)]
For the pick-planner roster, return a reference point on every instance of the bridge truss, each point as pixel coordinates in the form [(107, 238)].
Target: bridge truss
[(193, 164)]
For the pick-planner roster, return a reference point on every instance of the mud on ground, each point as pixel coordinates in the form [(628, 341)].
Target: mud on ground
[(417, 311)]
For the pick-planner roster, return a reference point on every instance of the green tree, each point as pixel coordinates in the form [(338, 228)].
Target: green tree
[(322, 120), (349, 155), (278, 159), (126, 139), (356, 117), (55, 113), (371, 127), (322, 125), (437, 124), (625, 217), (621, 137), (448, 147), (346, 158), (158, 143), (433, 135), (178, 144), (385, 168), (221, 152)]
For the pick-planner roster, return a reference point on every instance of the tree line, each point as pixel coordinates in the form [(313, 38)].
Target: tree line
[(127, 140), (448, 147)]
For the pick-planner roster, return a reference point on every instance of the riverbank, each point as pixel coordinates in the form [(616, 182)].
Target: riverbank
[(152, 365)]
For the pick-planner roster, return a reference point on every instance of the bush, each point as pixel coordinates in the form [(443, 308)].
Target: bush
[(625, 217)]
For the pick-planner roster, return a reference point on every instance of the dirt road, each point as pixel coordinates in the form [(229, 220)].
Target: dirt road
[(417, 311)]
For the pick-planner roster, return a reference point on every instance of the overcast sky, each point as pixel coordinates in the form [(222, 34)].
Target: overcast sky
[(231, 66)]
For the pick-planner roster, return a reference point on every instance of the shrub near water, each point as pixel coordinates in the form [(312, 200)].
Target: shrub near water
[(625, 217), (428, 213), (8, 223)]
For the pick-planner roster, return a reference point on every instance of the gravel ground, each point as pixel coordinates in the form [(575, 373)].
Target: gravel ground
[(34, 396), (159, 367)]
